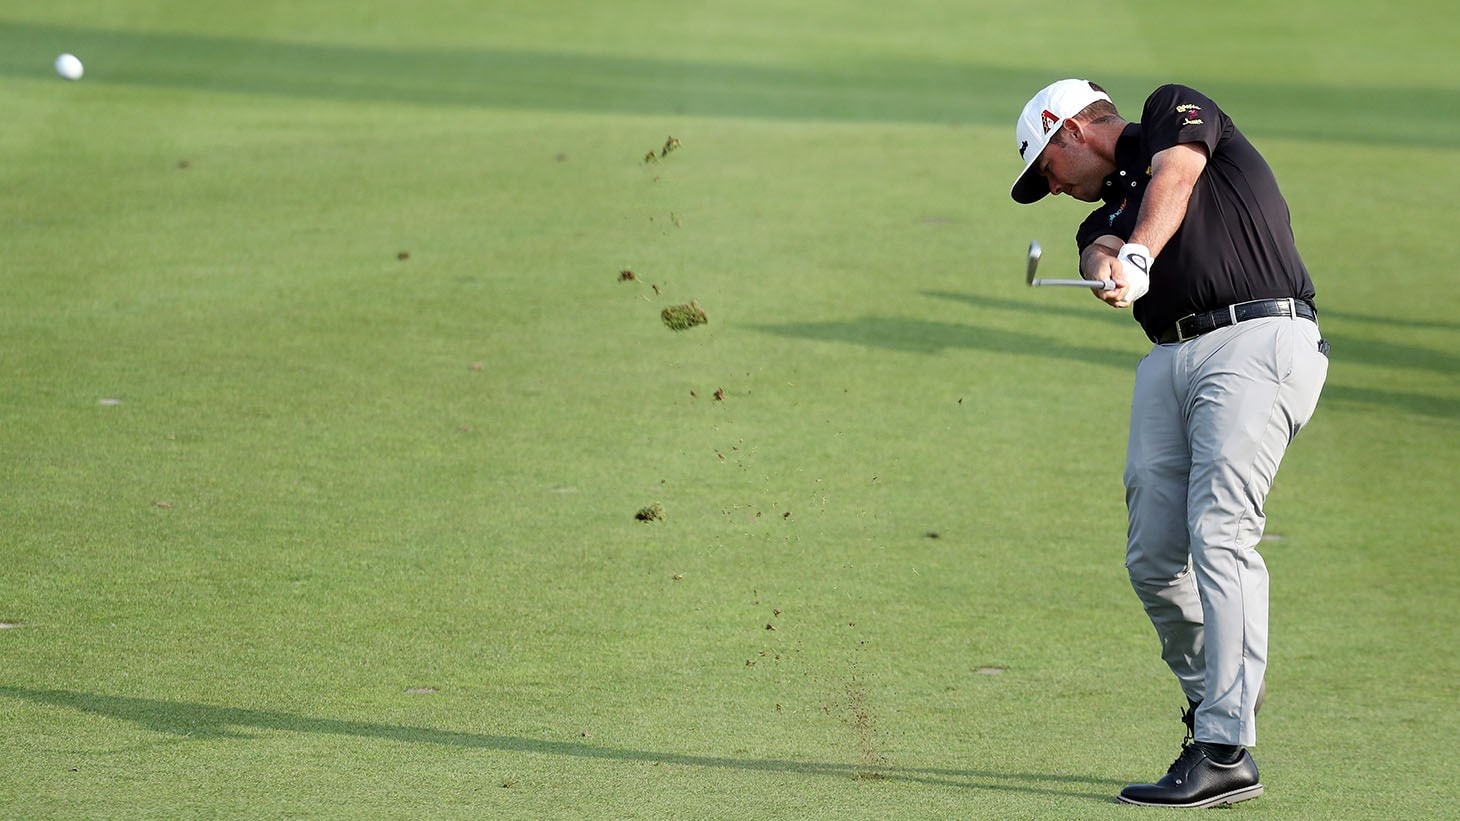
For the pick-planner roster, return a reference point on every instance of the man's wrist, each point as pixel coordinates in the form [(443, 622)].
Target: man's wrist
[(1135, 264), (1134, 253)]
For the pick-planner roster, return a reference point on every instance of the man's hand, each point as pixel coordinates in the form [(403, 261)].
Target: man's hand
[(1102, 261)]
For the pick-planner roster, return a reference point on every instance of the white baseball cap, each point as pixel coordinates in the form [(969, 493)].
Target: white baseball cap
[(1042, 117)]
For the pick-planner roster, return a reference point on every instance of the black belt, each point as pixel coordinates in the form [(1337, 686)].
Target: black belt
[(1194, 325)]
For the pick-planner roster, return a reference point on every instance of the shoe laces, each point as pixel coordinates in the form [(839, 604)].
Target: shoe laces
[(1189, 749), (1188, 717)]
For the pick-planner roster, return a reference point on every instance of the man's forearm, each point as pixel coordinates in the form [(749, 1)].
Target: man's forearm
[(1163, 208)]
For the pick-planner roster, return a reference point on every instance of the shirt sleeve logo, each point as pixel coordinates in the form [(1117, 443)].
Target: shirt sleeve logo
[(1190, 114)]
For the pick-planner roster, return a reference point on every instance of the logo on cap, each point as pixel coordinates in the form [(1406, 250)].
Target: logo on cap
[(1048, 119), (1024, 146)]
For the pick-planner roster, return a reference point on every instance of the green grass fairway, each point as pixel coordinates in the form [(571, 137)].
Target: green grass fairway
[(326, 411)]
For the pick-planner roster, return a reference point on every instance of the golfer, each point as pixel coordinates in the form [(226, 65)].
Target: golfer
[(1191, 227)]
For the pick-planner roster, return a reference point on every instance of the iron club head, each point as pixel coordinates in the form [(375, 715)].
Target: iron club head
[(1034, 252)]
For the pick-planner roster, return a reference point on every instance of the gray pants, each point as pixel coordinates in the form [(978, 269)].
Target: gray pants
[(1210, 420)]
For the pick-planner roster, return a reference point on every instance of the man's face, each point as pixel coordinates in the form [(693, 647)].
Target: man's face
[(1069, 166)]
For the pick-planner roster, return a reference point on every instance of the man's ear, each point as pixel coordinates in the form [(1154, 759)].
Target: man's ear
[(1075, 129)]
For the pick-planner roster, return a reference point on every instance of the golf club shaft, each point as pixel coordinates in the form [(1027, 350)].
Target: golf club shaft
[(1035, 252), (1097, 284)]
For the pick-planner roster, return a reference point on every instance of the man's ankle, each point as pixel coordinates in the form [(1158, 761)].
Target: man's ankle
[(1221, 753)]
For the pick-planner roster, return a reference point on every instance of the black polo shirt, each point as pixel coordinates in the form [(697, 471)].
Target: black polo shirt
[(1236, 242)]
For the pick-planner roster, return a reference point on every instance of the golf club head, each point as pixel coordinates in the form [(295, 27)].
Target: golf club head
[(1034, 252)]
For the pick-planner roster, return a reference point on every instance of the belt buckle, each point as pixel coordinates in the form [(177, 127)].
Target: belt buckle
[(1181, 331)]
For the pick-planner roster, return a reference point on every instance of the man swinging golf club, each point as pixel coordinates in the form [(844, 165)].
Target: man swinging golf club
[(1192, 230)]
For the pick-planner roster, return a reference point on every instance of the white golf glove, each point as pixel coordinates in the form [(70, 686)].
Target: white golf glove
[(1135, 263)]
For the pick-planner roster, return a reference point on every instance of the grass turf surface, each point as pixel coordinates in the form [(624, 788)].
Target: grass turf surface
[(326, 414)]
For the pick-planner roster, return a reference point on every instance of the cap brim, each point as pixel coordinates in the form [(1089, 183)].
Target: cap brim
[(1030, 187)]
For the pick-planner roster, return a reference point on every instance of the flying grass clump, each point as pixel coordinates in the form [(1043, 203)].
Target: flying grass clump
[(670, 144), (683, 317), (652, 513)]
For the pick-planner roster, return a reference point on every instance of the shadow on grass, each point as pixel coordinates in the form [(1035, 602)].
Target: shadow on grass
[(1347, 349), (926, 336), (860, 88), (1355, 349), (1393, 322), (202, 721), (1072, 306), (1446, 410)]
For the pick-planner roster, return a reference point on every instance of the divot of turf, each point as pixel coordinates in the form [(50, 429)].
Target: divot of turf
[(682, 317)]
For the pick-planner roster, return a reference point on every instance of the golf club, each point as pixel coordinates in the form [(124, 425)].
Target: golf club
[(1035, 251)]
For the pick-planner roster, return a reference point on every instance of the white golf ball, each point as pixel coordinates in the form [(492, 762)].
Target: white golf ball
[(69, 66)]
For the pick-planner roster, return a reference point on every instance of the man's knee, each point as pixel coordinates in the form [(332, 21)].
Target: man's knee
[(1153, 574)]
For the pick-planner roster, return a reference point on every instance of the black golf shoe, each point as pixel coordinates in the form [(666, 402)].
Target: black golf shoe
[(1196, 780)]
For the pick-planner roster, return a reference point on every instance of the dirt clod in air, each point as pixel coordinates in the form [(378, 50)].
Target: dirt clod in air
[(670, 144), (683, 317), (652, 513), (861, 720)]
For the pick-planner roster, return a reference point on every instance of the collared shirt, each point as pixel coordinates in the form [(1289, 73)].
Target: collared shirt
[(1235, 243)]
